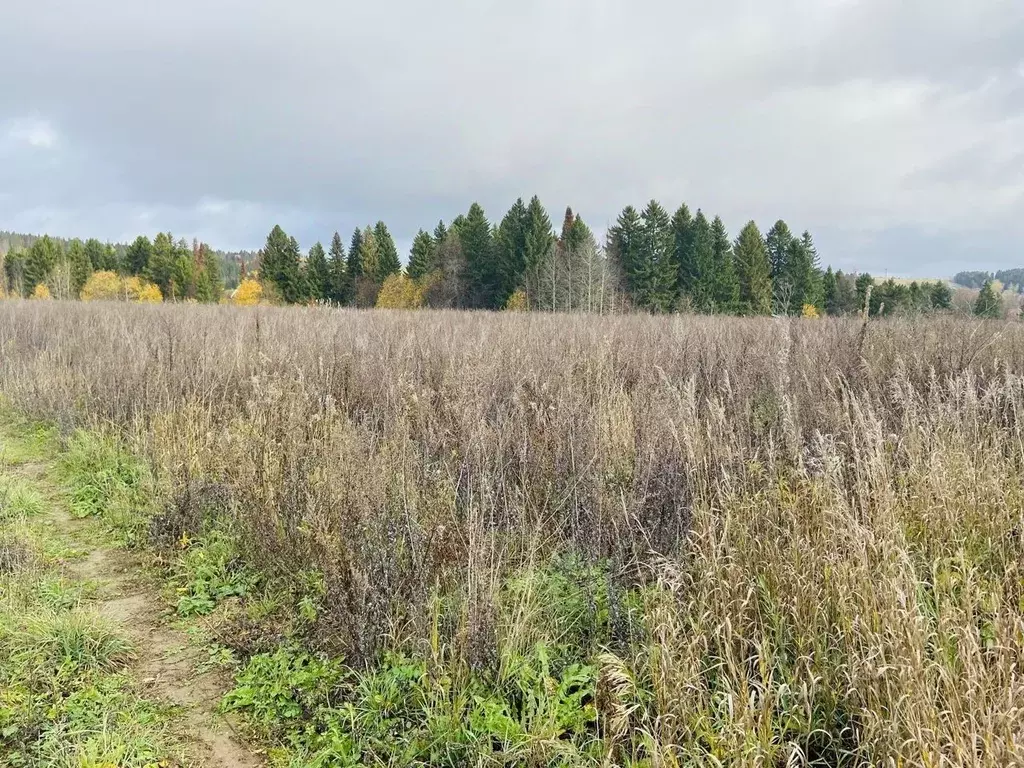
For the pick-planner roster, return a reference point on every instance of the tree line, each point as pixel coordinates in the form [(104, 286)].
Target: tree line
[(650, 261), (64, 268)]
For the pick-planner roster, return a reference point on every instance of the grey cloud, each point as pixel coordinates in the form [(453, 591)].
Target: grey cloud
[(842, 117)]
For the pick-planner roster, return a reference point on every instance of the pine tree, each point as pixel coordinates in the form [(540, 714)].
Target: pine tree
[(388, 261), (753, 272), (136, 260), (482, 277), (684, 251), (727, 287), (318, 275), (703, 292), (656, 275), (338, 270), (988, 304), (421, 256)]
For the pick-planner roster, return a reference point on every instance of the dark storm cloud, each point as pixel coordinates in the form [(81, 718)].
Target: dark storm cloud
[(856, 120)]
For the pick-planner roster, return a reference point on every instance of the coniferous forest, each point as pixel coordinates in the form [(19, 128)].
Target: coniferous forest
[(650, 260)]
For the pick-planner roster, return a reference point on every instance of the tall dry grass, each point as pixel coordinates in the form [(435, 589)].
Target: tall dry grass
[(823, 522)]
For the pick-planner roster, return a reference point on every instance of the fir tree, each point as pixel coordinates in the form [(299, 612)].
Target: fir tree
[(338, 272), (753, 272), (318, 275), (421, 256), (727, 288), (388, 261)]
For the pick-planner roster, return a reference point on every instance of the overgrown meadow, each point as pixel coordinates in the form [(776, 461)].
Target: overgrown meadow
[(449, 539)]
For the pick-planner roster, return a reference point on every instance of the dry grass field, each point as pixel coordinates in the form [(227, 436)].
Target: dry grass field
[(439, 538)]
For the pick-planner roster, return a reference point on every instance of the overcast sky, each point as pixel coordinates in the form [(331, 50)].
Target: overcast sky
[(892, 129)]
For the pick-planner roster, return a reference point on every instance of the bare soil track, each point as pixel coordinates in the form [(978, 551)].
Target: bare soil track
[(168, 668)]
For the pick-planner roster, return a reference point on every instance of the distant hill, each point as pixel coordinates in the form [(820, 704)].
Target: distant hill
[(231, 261), (1010, 279)]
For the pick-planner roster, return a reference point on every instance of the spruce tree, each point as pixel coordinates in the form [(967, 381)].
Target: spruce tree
[(80, 266), (160, 269), (988, 304), (777, 243), (354, 267), (136, 260), (279, 265), (703, 291), (753, 272), (538, 238), (369, 256), (863, 283), (482, 277), (318, 275), (656, 274), (624, 250), (42, 257), (510, 248), (727, 288), (830, 292), (941, 295), (421, 256), (388, 261), (684, 251), (338, 271), (440, 234)]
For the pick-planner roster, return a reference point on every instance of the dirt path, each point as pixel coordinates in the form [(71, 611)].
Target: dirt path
[(168, 668)]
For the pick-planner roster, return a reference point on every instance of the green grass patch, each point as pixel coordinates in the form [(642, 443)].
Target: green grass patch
[(105, 481)]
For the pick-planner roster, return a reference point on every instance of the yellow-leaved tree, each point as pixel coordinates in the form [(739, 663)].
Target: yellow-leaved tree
[(41, 292), (400, 292), (517, 302), (249, 293), (149, 294), (810, 311), (103, 285)]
